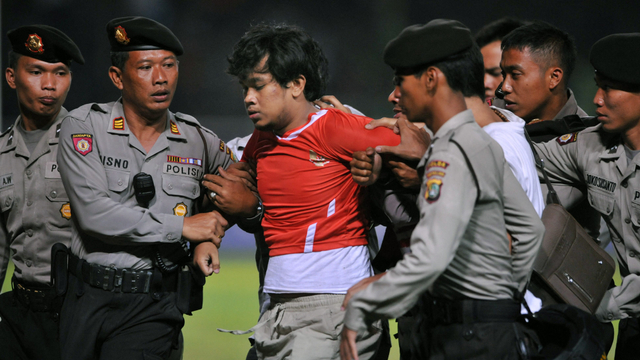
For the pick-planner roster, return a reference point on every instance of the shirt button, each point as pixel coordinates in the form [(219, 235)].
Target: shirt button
[(169, 236), (29, 232), (29, 172), (627, 220), (8, 201), (610, 316), (632, 253), (28, 263), (53, 194), (170, 186), (29, 202), (119, 182)]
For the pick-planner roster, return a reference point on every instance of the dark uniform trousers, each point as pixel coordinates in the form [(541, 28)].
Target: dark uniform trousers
[(26, 333), (116, 325), (628, 345)]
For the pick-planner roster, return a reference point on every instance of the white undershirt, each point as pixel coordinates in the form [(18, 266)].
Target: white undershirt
[(324, 272)]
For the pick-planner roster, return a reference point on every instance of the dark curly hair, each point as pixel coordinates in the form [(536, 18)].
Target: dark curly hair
[(291, 52)]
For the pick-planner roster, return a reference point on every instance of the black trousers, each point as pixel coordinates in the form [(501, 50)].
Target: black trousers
[(98, 324), (26, 334), (628, 346)]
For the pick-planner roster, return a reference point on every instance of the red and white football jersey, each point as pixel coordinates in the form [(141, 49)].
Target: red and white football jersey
[(311, 202)]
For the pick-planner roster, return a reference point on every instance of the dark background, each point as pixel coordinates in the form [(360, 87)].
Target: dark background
[(352, 33)]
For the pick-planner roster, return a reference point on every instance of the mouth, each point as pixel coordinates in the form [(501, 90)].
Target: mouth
[(397, 111), (253, 115), (161, 95), (47, 100), (600, 116), (509, 104)]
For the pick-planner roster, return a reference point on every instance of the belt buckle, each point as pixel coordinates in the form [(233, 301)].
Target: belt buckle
[(117, 279)]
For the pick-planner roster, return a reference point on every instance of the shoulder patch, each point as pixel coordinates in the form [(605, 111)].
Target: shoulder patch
[(437, 163), (567, 138), (434, 186), (83, 143)]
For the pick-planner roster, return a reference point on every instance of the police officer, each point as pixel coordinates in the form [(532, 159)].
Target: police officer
[(35, 211), (460, 258), (603, 158), (133, 170)]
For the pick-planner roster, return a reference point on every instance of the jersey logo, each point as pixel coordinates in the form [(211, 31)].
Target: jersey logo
[(6, 180), (118, 123), (180, 209), (34, 44), (433, 190), (82, 143), (316, 159), (174, 128), (65, 210), (567, 138), (438, 163)]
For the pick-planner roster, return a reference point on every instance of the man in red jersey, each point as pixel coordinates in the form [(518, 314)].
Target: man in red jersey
[(315, 219)]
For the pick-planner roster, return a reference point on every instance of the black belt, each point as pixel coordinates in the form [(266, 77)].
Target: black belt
[(122, 280), (38, 298), (440, 311)]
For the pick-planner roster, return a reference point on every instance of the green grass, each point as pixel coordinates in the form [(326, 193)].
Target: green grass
[(231, 302)]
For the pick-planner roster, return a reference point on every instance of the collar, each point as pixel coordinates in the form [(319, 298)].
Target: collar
[(570, 107), (118, 123), (14, 139)]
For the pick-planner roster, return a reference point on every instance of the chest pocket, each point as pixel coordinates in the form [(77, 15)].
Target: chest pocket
[(181, 186), (603, 203), (117, 180), (6, 199), (58, 208)]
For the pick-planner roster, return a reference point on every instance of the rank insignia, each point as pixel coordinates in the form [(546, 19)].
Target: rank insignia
[(174, 129), (438, 163), (316, 159), (567, 138), (121, 35), (118, 123), (184, 160), (65, 210), (180, 209), (221, 146), (82, 143), (435, 173), (34, 44), (433, 190)]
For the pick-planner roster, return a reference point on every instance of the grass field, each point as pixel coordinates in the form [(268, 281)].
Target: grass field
[(231, 302)]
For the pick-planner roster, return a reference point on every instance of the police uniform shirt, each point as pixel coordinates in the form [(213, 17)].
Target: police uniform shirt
[(99, 157), (570, 107), (35, 207), (459, 249), (598, 160)]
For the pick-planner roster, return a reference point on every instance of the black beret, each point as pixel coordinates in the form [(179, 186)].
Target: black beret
[(44, 43), (427, 44), (617, 57), (139, 33)]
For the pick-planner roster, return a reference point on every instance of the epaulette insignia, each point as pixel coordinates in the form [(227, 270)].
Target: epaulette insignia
[(174, 128), (433, 190), (567, 138), (34, 44), (437, 163), (118, 123), (222, 146)]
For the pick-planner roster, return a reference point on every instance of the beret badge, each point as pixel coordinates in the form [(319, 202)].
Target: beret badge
[(34, 44), (121, 35)]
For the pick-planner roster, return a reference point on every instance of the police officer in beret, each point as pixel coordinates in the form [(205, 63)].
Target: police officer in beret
[(603, 158), (461, 266), (133, 172), (34, 208)]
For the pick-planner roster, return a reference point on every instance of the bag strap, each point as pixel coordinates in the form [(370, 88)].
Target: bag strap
[(552, 196)]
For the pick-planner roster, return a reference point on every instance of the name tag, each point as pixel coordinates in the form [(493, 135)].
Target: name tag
[(183, 170), (6, 180), (51, 172)]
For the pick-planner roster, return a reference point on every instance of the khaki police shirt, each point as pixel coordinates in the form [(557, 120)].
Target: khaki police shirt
[(35, 207), (459, 249), (597, 159), (99, 157)]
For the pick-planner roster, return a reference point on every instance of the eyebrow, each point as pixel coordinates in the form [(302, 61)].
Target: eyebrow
[(512, 67)]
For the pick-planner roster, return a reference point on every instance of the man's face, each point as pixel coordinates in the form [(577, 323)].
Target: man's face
[(266, 100), (397, 110), (617, 108), (411, 94), (149, 81), (491, 55), (41, 87), (526, 91)]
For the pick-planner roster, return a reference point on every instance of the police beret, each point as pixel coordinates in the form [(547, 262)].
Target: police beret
[(139, 33), (427, 44), (44, 43), (617, 57)]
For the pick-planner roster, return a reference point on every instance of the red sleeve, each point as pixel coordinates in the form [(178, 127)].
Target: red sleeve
[(345, 134)]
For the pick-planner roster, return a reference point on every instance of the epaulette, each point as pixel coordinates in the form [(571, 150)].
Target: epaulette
[(82, 113), (192, 121), (6, 131), (541, 131)]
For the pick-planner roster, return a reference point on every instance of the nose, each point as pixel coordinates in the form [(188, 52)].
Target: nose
[(506, 86), (249, 97), (392, 98), (598, 99), (159, 75), (396, 94), (48, 81)]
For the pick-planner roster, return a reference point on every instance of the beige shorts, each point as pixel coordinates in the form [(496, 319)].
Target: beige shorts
[(308, 327)]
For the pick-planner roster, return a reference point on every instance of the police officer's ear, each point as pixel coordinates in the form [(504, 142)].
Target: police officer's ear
[(10, 75), (555, 76), (297, 86), (430, 79), (115, 74)]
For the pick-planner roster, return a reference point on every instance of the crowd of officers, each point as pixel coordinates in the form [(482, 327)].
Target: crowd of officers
[(140, 196)]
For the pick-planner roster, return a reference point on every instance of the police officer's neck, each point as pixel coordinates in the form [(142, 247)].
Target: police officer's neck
[(552, 106), (631, 138), (481, 111), (445, 105), (145, 127), (32, 121)]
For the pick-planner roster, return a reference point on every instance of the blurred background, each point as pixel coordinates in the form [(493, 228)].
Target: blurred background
[(353, 35)]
